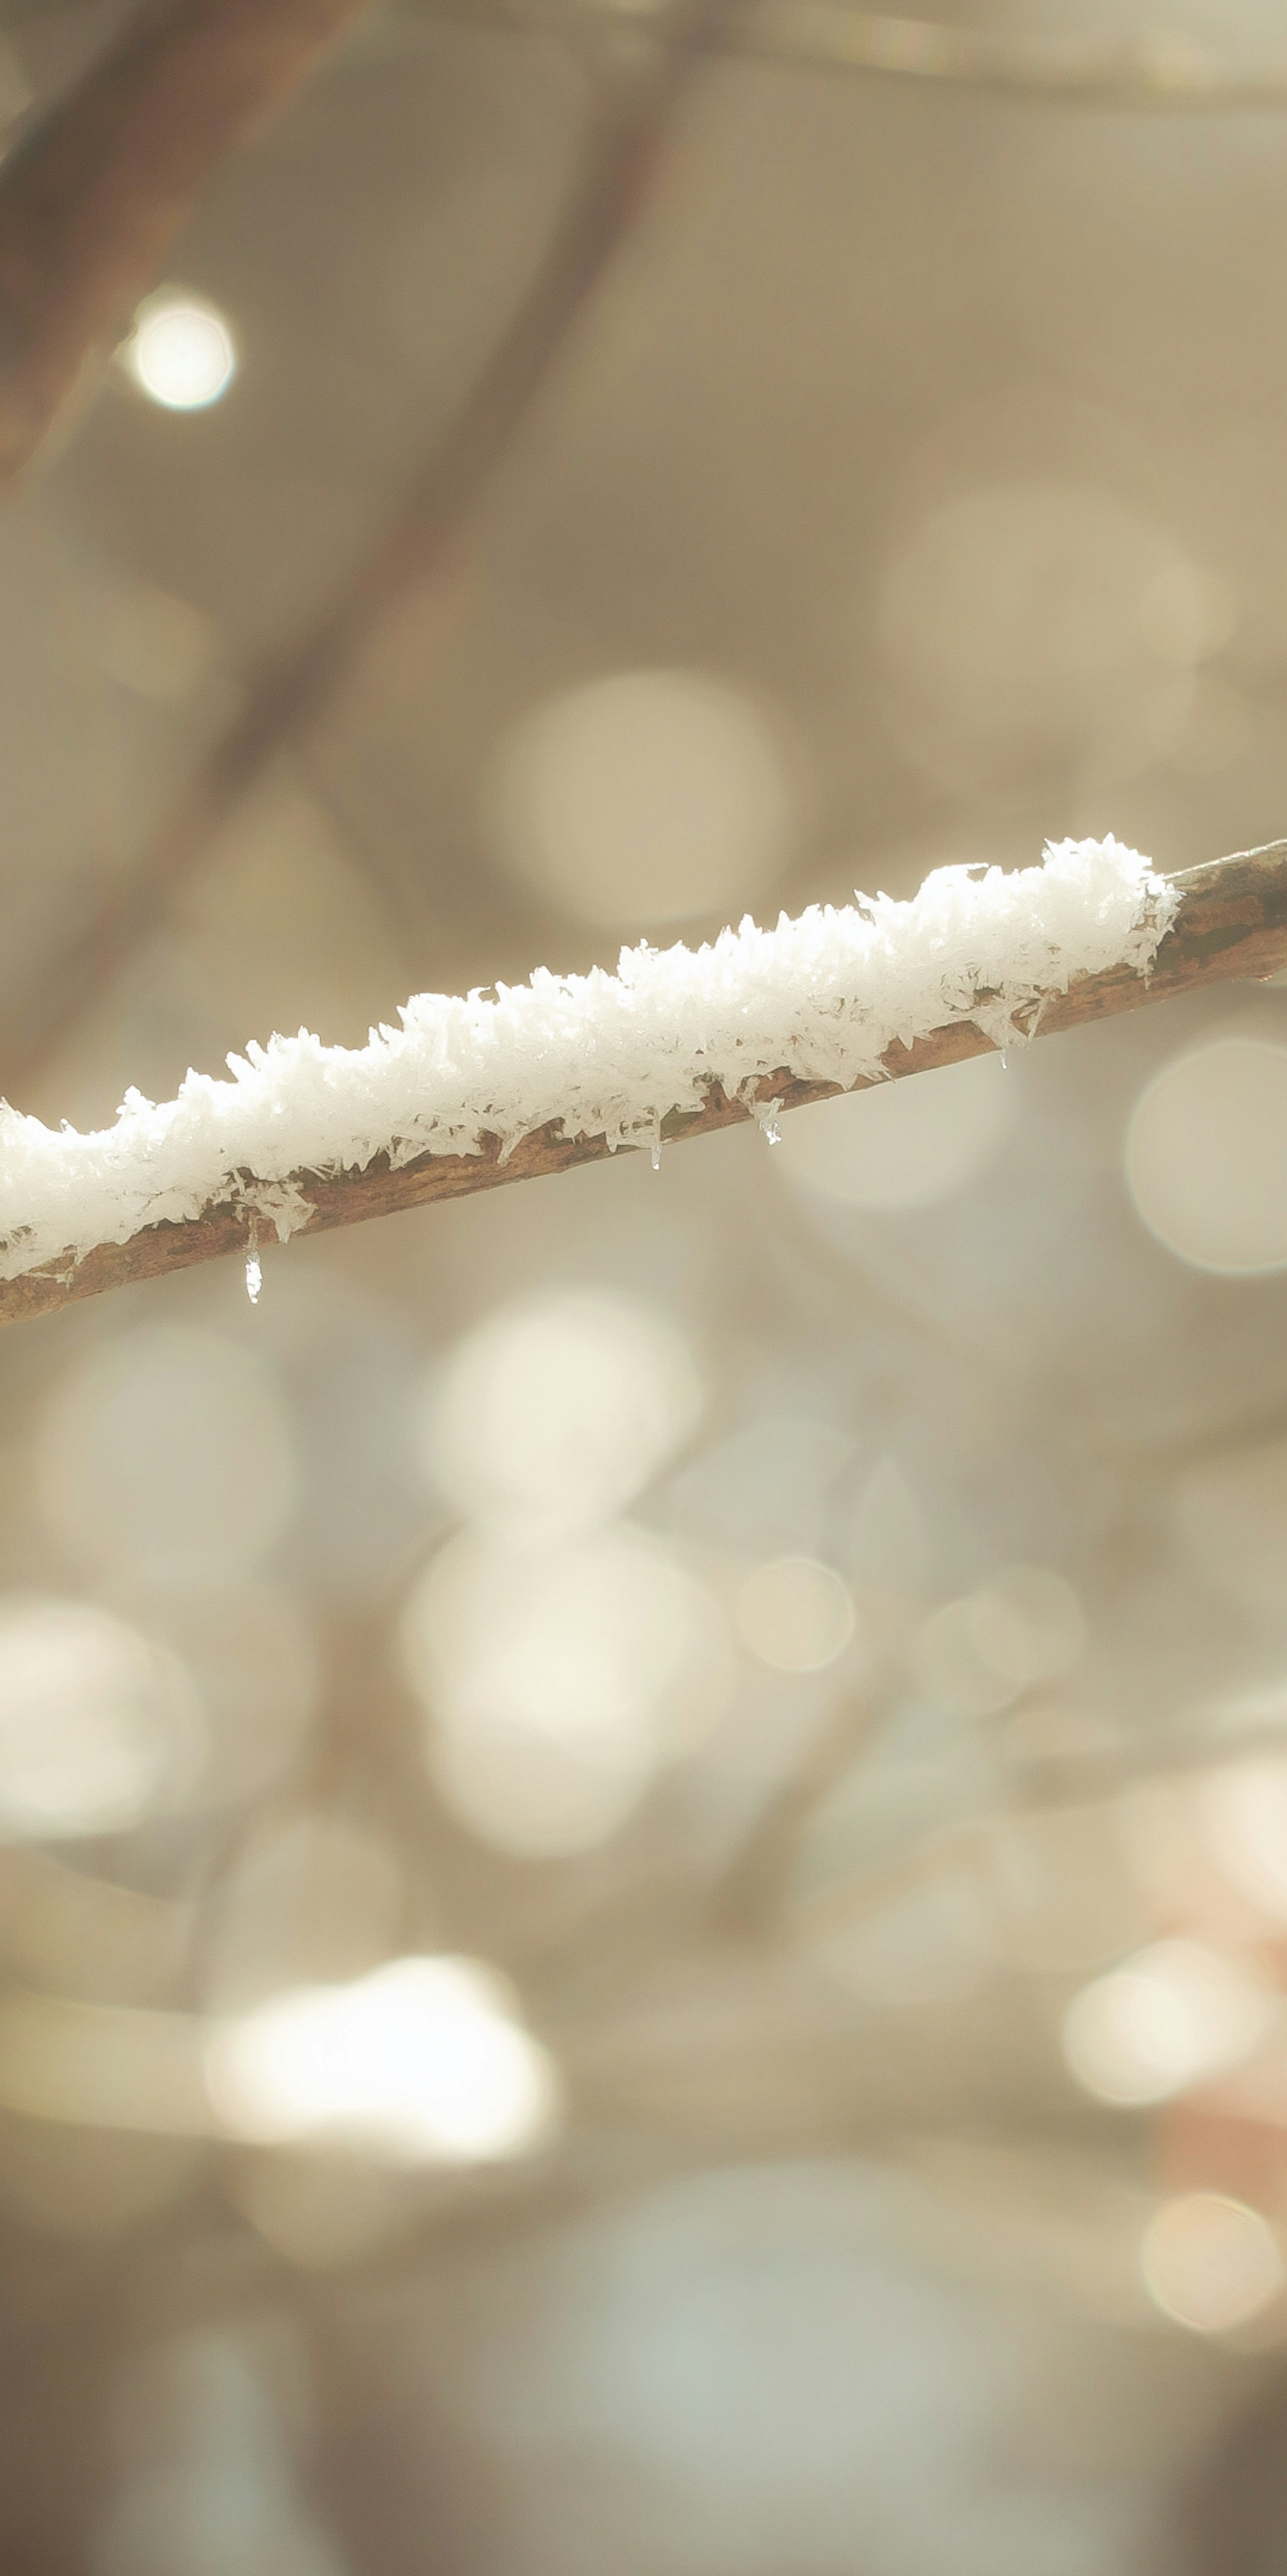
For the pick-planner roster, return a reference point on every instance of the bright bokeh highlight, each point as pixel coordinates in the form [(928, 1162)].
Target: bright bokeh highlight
[(795, 1614), (558, 1680), (1174, 2015), (1211, 2263), (1244, 1811), (180, 352), (1206, 1156), (645, 797), (422, 2062), (97, 1728), (554, 1414)]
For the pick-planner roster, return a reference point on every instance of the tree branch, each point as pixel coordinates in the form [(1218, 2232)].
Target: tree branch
[(1231, 923), (832, 35), (91, 198)]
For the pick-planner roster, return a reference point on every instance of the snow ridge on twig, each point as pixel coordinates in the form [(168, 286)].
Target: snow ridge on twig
[(820, 997)]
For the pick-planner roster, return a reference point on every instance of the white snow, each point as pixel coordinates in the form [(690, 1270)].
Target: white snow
[(602, 1055)]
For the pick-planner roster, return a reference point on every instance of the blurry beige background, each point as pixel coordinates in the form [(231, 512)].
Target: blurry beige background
[(644, 1875)]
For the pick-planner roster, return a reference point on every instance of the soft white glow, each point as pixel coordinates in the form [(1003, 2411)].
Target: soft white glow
[(555, 1414), (1244, 1811), (1206, 1152), (649, 796), (1211, 2263), (901, 1144), (795, 1614), (559, 1679), (180, 352), (537, 1796), (96, 1726), (1173, 2016), (422, 2062)]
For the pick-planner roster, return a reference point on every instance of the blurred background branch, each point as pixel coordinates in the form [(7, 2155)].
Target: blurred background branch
[(63, 298), (415, 551), (642, 1824), (1163, 69), (92, 197)]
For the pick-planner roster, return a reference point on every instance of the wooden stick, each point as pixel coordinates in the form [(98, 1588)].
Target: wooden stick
[(1232, 923), (91, 198)]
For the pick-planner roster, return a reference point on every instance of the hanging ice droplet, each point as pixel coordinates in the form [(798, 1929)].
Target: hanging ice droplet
[(1005, 1059), (254, 1267), (656, 1153), (768, 1118)]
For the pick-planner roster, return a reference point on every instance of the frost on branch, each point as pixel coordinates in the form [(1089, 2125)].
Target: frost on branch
[(820, 998)]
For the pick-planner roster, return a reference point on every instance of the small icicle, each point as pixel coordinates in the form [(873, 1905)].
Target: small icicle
[(1005, 1059), (254, 1267), (768, 1118), (656, 1153)]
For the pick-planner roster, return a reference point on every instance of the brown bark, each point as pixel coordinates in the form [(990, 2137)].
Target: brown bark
[(91, 198), (1232, 923)]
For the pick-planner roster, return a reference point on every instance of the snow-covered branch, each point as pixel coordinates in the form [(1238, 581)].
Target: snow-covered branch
[(468, 1093)]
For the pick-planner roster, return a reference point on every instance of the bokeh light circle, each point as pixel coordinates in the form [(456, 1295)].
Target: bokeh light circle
[(558, 1680), (97, 1727), (1211, 2263), (795, 1614), (180, 352), (645, 797), (423, 2061), (1243, 1808), (555, 1413), (1206, 1156), (1172, 2016)]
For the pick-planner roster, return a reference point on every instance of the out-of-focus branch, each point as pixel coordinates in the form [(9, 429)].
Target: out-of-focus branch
[(751, 1892), (282, 701), (1231, 922), (414, 550), (1160, 71), (90, 198)]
